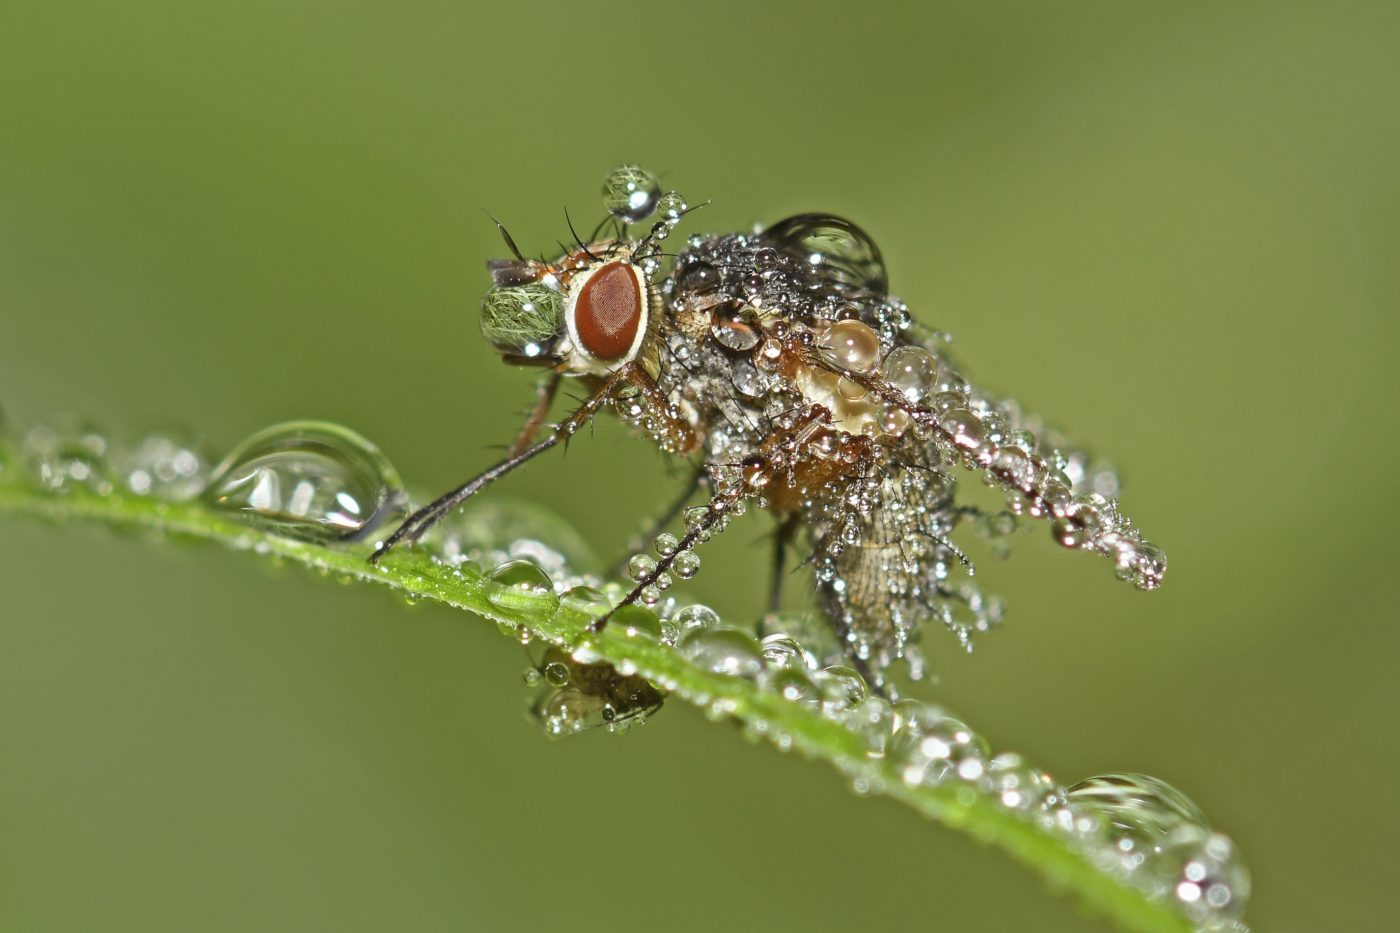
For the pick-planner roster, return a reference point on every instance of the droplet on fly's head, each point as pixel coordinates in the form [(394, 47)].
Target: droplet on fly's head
[(834, 248), (522, 321), (312, 480), (631, 193), (67, 455)]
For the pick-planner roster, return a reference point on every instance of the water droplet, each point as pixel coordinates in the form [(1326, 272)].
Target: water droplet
[(851, 344), (519, 583), (1019, 785), (723, 650), (809, 629), (793, 684), (1138, 803), (911, 370), (640, 566), (781, 651), (835, 248), (588, 600), (1205, 875), (686, 564), (66, 456), (522, 320), (842, 687), (634, 620), (929, 746), (696, 617), (965, 428), (556, 673), (631, 193), (308, 479), (672, 206), (164, 468), (874, 720)]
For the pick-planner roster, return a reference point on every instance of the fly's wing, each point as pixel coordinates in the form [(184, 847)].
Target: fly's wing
[(885, 564)]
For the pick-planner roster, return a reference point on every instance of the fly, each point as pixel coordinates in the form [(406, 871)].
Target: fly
[(780, 365)]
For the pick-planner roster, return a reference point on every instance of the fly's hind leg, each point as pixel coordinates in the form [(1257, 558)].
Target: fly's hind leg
[(778, 454), (782, 537)]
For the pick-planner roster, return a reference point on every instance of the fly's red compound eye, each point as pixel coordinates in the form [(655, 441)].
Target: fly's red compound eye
[(610, 311)]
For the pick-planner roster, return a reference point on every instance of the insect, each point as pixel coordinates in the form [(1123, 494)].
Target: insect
[(779, 365)]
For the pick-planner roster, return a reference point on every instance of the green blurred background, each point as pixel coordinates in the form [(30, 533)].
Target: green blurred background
[(1171, 227)]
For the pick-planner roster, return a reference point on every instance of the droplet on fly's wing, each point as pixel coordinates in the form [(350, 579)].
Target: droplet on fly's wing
[(308, 479), (911, 370), (851, 344)]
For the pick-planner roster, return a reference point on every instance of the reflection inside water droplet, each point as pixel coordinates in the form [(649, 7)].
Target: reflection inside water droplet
[(308, 479), (585, 696), (834, 248)]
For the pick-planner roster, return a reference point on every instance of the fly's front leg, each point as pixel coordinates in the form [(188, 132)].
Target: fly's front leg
[(544, 398), (420, 521)]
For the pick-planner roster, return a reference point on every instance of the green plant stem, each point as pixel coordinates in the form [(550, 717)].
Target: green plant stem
[(418, 577)]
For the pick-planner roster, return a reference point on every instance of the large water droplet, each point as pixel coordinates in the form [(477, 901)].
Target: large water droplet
[(834, 248), (723, 650), (1138, 803), (308, 479), (631, 193)]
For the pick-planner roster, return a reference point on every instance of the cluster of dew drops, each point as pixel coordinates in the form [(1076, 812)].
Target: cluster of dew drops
[(323, 483)]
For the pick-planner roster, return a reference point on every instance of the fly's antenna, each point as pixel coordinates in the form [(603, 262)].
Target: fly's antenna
[(505, 235)]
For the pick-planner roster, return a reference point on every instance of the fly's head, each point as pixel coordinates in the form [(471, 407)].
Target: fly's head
[(595, 308)]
